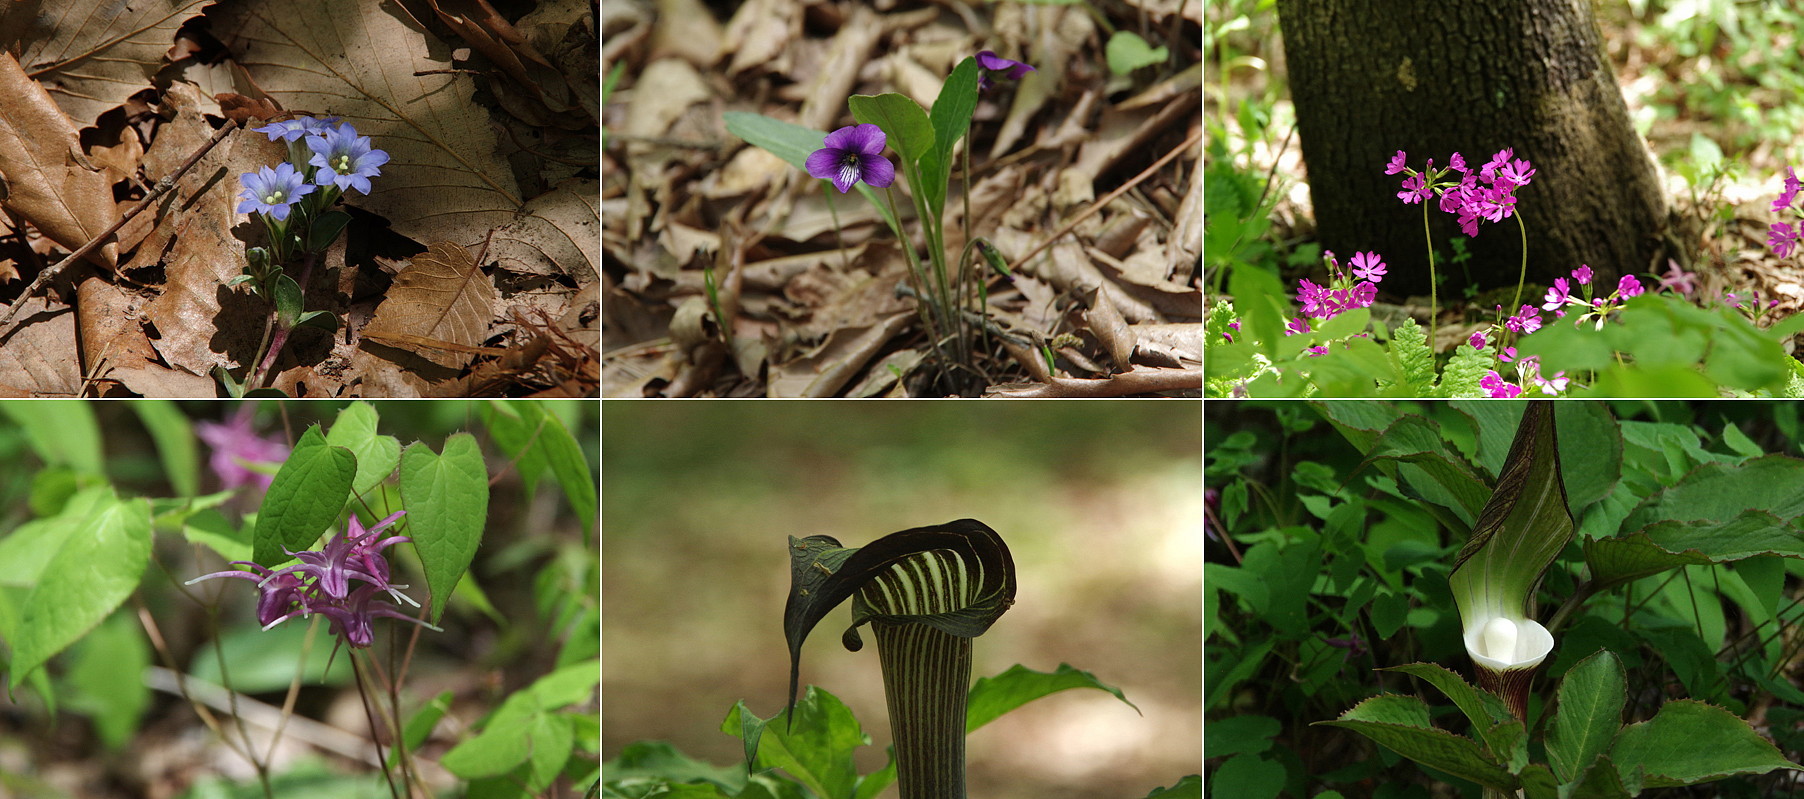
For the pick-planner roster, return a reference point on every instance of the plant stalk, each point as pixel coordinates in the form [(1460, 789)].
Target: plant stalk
[(926, 678)]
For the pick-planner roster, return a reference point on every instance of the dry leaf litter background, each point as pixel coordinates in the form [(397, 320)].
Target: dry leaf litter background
[(470, 268), (1117, 300)]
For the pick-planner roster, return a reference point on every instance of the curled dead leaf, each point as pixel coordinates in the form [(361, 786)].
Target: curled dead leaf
[(443, 296), (45, 183)]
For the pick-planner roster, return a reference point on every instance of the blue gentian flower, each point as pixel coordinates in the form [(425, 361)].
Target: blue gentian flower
[(291, 129), (345, 159), (1013, 70), (851, 154), (272, 191)]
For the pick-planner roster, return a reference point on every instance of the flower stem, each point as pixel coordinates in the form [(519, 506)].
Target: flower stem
[(1521, 276), (1434, 304), (926, 679)]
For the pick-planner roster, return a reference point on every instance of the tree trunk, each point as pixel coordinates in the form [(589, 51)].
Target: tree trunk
[(1432, 77)]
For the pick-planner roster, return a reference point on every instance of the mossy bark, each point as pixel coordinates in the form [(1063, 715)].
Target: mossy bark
[(1432, 77)]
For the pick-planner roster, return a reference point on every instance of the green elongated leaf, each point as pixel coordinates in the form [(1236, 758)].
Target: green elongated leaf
[(1521, 529), (539, 442), (61, 432), (901, 119), (289, 301), (993, 696), (174, 437), (420, 725), (1400, 723), (1483, 708), (1667, 747), (1538, 782), (1671, 544), (1190, 787), (1720, 491), (794, 143), (447, 501), (818, 751), (570, 467), (1362, 424), (1440, 476), (304, 498), (1590, 711), (108, 677), (377, 454), (97, 567), (27, 550), (951, 118), (1247, 777), (957, 577), (210, 528), (660, 760), (1236, 734)]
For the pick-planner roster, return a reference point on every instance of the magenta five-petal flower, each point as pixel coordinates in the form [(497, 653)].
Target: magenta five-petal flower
[(1783, 238), (1558, 295), (1582, 275), (851, 154), (992, 63), (1628, 287), (1498, 387), (1396, 163), (1368, 266), (1789, 193), (1477, 340)]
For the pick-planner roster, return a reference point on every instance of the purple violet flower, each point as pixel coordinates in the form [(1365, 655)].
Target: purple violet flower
[(851, 154), (345, 159), (992, 63), (236, 446), (272, 191)]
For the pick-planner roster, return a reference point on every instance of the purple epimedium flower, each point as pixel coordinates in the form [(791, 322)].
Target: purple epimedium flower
[(321, 583), (272, 191), (992, 63), (237, 448), (345, 159), (851, 154)]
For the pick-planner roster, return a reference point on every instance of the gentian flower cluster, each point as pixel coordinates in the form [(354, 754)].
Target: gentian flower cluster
[(323, 154), (1783, 236), (321, 583), (1488, 194)]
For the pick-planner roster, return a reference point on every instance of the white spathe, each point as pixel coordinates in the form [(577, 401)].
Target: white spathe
[(1502, 643)]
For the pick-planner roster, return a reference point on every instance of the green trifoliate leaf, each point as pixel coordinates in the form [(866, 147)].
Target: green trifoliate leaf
[(1518, 533)]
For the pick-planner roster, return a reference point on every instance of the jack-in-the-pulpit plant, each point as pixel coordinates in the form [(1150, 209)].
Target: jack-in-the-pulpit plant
[(926, 142), (1517, 534), (294, 201)]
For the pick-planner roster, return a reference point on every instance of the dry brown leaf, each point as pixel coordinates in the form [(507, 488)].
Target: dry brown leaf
[(35, 357), (45, 184), (92, 54), (246, 110), (111, 338), (1139, 380), (760, 34), (686, 29), (356, 60), (559, 233), (441, 296), (826, 370)]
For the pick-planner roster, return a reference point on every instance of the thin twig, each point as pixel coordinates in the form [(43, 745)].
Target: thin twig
[(1195, 137), (162, 187)]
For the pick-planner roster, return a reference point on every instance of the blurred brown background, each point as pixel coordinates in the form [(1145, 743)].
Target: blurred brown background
[(1100, 503)]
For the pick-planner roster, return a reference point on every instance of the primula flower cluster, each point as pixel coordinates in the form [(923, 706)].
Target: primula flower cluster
[(1347, 290), (1783, 236), (321, 583), (1561, 297), (1488, 193), (324, 155)]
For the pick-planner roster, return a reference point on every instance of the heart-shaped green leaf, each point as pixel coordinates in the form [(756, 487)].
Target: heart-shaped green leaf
[(304, 498)]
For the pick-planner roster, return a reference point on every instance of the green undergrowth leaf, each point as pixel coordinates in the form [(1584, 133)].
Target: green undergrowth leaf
[(377, 454), (906, 125), (174, 437), (1667, 747), (1581, 728), (815, 749), (1671, 544), (1126, 52), (96, 567), (107, 675), (993, 696), (447, 501), (304, 499), (1401, 724), (1411, 356), (951, 117)]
